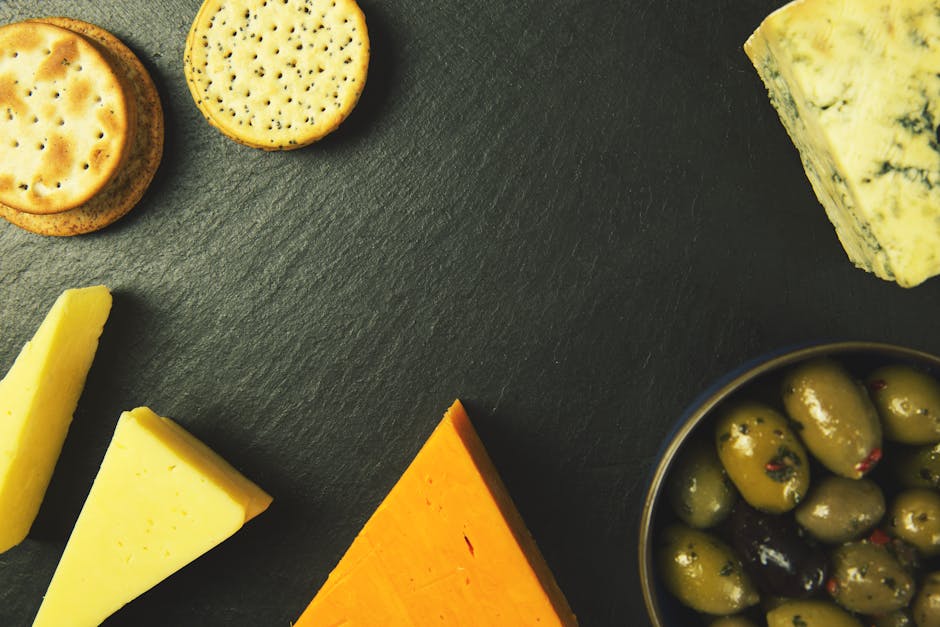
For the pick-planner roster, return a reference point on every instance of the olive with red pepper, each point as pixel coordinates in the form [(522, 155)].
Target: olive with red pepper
[(834, 416), (763, 457), (839, 509), (866, 578)]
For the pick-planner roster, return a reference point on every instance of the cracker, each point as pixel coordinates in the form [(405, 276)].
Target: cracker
[(277, 74), (64, 118), (126, 188)]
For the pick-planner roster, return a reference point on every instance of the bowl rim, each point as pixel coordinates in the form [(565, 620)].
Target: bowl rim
[(702, 407)]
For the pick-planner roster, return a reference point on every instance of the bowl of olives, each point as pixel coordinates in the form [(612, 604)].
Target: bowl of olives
[(802, 490)]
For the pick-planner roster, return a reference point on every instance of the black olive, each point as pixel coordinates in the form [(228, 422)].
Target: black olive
[(779, 559)]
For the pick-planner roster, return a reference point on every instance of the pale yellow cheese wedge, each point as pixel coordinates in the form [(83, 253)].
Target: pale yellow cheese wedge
[(37, 399), (160, 500)]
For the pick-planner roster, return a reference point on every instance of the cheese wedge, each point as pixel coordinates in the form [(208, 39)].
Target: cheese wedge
[(857, 87), (37, 399), (446, 547), (160, 500)]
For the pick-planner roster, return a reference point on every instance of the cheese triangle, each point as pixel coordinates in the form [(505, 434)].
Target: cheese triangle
[(855, 84), (446, 547), (160, 500), (37, 399)]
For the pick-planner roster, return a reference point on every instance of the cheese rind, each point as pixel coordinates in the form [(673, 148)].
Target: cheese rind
[(38, 396), (160, 500), (446, 547), (857, 89)]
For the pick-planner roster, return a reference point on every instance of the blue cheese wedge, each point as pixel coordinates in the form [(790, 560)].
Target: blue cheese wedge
[(857, 86)]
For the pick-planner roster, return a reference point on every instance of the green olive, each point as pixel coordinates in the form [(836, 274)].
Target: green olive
[(834, 417), (915, 518), (703, 572), (908, 401), (699, 489), (839, 509), (811, 613), (926, 605), (897, 618), (764, 458), (917, 467), (866, 578)]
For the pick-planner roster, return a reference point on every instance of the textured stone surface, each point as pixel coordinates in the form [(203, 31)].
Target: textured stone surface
[(572, 215)]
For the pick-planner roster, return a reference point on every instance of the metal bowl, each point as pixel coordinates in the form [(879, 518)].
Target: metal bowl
[(664, 610)]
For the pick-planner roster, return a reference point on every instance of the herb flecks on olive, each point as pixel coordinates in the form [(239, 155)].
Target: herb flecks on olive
[(774, 553), (908, 401), (839, 509), (917, 467), (905, 553), (810, 613), (866, 578), (703, 572), (875, 548), (915, 518), (840, 426), (763, 457), (699, 490)]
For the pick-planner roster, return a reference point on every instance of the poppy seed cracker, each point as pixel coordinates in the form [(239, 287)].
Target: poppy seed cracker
[(277, 74)]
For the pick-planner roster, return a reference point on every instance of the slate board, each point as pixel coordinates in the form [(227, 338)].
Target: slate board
[(571, 215)]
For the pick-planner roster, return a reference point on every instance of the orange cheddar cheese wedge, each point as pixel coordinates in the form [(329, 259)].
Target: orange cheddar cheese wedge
[(446, 547)]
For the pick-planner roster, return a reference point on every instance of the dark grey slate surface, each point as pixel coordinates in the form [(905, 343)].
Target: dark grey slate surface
[(572, 215)]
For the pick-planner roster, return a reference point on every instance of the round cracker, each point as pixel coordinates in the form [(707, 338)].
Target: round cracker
[(146, 149), (277, 74), (65, 118)]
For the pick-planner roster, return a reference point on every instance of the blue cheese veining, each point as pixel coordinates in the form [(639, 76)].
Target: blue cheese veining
[(857, 86)]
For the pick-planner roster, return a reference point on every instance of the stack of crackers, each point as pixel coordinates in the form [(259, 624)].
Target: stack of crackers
[(277, 74), (81, 127)]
